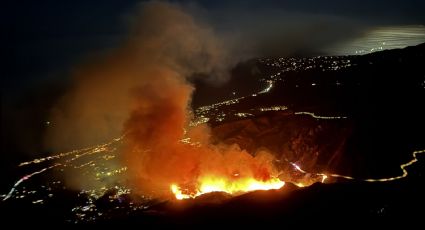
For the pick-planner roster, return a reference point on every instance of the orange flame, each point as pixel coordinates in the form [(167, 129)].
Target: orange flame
[(209, 184)]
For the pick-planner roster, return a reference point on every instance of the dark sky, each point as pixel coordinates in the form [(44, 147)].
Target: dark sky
[(377, 11), (46, 38)]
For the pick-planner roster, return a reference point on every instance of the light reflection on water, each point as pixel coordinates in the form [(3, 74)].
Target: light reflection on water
[(381, 38)]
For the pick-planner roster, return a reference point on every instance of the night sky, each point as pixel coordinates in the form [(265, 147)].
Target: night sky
[(46, 38)]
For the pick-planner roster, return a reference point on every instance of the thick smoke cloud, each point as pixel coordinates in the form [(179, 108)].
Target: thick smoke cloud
[(177, 47), (164, 39), (142, 90)]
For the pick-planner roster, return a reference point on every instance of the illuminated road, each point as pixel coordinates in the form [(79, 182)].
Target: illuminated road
[(385, 179)]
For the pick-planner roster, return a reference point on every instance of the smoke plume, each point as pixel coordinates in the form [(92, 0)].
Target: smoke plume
[(157, 156), (142, 90), (164, 42)]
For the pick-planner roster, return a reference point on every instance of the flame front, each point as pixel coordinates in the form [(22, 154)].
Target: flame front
[(222, 184)]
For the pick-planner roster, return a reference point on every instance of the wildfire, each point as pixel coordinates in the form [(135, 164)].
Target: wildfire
[(221, 184)]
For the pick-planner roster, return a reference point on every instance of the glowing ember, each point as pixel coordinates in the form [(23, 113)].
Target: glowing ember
[(221, 184)]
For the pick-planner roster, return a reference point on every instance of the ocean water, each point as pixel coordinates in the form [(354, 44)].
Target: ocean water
[(380, 38)]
